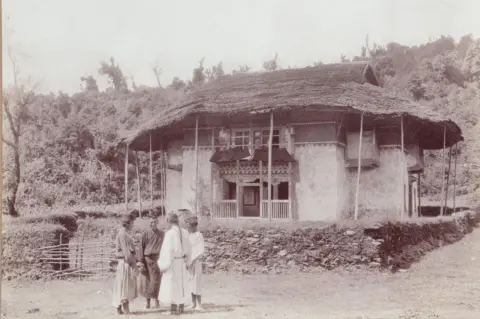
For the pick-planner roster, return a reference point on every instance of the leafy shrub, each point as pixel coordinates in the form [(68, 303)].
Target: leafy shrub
[(67, 220), (21, 247), (91, 214)]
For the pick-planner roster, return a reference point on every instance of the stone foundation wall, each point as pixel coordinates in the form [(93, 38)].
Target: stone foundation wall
[(391, 245)]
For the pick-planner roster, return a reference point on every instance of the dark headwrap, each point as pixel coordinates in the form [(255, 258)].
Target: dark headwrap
[(172, 218), (127, 219), (192, 221)]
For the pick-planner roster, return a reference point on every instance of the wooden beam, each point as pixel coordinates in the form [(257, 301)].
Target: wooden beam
[(151, 173), (260, 169), (196, 166), (357, 190), (238, 188), (443, 168), (455, 177), (404, 167), (139, 195), (290, 191), (270, 140), (126, 178), (448, 177), (419, 196), (212, 188)]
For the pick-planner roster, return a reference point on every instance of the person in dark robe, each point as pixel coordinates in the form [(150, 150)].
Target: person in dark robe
[(148, 282), (124, 288)]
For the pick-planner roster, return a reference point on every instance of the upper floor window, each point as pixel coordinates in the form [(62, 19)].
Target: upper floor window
[(259, 139)]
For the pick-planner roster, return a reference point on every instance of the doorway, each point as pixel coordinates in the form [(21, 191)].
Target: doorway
[(250, 200)]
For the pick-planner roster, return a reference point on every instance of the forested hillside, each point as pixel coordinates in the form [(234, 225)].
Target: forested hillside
[(59, 149)]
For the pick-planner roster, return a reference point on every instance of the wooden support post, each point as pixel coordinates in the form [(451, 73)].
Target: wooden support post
[(61, 250), (290, 191), (442, 208), (238, 189), (404, 168), (139, 194), (270, 141), (151, 173), (212, 182), (419, 196), (455, 177), (196, 165), (260, 169), (448, 177), (164, 180), (126, 178), (357, 190)]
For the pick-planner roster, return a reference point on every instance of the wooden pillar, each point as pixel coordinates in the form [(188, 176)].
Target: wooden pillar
[(163, 171), (455, 177), (164, 178), (196, 166), (151, 173), (405, 187), (126, 178), (290, 191), (419, 196), (270, 140), (357, 190), (212, 182), (260, 169), (139, 195), (238, 188), (448, 177), (443, 168)]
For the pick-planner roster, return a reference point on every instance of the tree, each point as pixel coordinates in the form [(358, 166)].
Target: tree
[(242, 69), (15, 107), (157, 71), (343, 58), (271, 65), (215, 72), (198, 74), (114, 74), (90, 83)]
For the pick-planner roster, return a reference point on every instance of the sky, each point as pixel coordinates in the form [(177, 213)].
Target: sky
[(58, 41)]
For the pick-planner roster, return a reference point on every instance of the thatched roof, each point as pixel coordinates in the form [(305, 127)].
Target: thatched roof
[(350, 87)]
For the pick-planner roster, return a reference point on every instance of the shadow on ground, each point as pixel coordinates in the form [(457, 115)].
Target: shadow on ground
[(207, 308)]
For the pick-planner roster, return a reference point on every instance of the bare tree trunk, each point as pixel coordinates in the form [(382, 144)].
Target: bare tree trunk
[(12, 199)]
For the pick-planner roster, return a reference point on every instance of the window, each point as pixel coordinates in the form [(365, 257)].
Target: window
[(261, 138), (241, 138)]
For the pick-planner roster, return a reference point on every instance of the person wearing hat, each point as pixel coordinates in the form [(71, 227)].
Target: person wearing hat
[(195, 263), (124, 288), (175, 253)]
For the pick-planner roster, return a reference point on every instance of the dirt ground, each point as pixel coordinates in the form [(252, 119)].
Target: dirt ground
[(445, 284)]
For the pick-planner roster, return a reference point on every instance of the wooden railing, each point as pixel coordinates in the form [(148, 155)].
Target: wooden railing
[(226, 208), (280, 209)]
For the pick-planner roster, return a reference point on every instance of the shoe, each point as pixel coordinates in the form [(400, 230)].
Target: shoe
[(119, 310), (199, 308)]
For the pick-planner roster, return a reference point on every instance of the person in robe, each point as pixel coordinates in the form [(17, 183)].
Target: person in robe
[(175, 253), (124, 288), (195, 263), (149, 279)]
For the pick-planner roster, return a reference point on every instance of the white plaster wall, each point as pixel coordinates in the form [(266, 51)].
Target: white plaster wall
[(316, 183), (343, 185), (188, 178), (174, 178), (381, 188)]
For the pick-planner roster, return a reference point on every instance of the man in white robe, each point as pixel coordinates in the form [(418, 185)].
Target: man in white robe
[(175, 252)]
